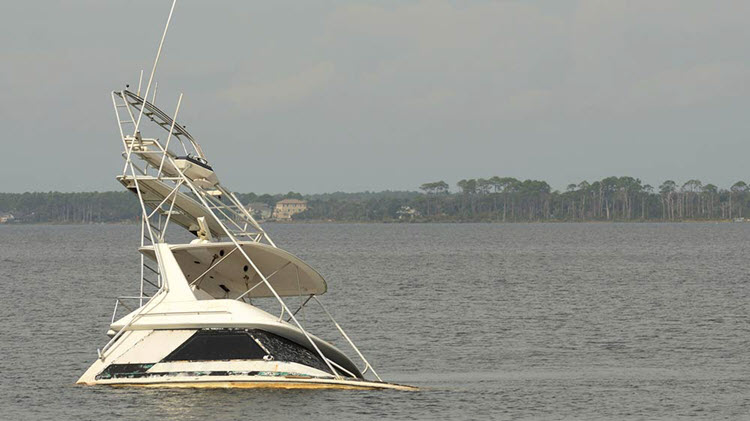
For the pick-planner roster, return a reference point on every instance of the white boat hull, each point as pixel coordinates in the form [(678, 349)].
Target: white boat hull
[(184, 338), (254, 382)]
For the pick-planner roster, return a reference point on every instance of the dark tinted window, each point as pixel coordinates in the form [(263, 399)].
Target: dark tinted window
[(207, 345), (283, 349), (240, 344)]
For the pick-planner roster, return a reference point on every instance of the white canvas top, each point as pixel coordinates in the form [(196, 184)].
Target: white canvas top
[(233, 276)]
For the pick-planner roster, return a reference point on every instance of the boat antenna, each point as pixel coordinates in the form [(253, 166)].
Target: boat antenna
[(153, 69), (140, 79)]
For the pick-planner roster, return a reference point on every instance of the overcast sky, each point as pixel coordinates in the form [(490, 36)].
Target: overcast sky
[(321, 96)]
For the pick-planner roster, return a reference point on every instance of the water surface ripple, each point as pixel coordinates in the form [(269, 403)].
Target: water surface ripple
[(516, 321)]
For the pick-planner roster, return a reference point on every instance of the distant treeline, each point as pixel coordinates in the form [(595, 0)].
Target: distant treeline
[(70, 208), (511, 200), (491, 199)]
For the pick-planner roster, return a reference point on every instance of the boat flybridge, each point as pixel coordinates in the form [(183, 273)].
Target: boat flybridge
[(196, 321)]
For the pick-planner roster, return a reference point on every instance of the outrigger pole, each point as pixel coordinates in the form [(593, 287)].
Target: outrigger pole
[(153, 69)]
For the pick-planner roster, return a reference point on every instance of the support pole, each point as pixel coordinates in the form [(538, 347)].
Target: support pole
[(171, 130), (153, 69), (367, 364)]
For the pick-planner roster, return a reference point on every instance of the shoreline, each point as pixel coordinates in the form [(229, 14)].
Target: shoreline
[(333, 222)]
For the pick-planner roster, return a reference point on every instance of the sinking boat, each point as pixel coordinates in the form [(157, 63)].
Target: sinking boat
[(197, 319)]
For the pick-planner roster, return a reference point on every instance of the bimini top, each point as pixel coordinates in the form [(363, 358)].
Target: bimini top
[(221, 270)]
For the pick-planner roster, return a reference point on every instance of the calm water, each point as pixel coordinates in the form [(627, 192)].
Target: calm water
[(539, 321)]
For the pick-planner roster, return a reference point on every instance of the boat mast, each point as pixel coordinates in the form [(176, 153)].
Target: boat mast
[(153, 69)]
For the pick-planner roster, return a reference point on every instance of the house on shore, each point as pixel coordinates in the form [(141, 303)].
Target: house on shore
[(407, 213), (286, 208), (259, 210)]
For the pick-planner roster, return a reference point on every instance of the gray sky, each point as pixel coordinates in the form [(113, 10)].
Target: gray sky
[(319, 96)]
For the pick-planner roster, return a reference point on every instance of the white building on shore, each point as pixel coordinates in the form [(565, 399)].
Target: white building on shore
[(286, 208)]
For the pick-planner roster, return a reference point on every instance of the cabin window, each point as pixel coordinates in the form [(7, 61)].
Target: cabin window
[(283, 349), (212, 345), (242, 344)]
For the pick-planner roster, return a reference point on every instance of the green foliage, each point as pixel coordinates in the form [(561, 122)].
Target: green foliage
[(76, 208), (484, 199)]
